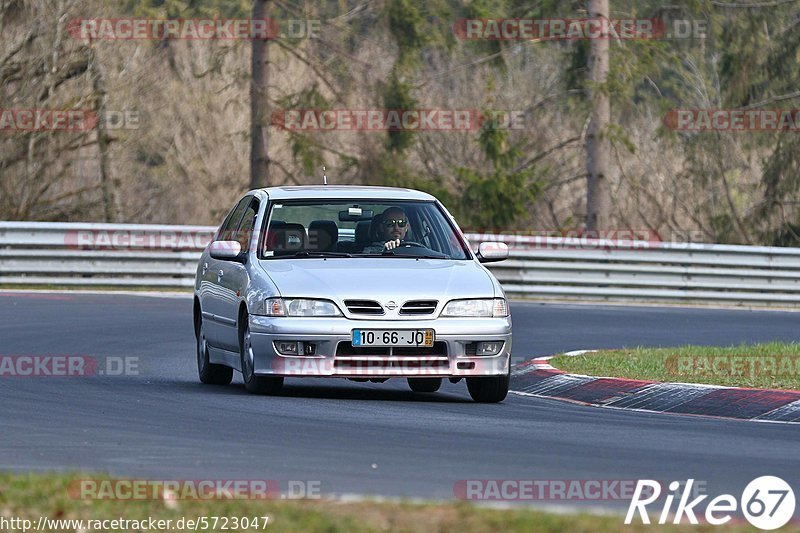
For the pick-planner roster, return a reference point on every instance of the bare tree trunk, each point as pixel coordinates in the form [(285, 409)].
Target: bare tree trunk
[(259, 104), (598, 147), (100, 97)]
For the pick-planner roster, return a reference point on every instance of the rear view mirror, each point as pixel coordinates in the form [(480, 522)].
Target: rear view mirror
[(355, 214), (489, 252), (225, 250)]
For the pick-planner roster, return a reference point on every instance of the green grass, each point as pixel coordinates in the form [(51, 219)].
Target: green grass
[(30, 496), (770, 366)]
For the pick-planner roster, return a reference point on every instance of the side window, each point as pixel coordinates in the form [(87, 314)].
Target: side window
[(228, 227), (245, 229)]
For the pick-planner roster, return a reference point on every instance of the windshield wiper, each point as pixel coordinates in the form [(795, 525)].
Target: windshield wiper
[(392, 254), (320, 254)]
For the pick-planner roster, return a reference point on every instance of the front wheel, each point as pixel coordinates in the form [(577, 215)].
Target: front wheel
[(209, 373), (424, 384), (488, 390), (253, 383)]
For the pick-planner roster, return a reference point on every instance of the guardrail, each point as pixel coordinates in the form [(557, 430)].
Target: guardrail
[(128, 255), (647, 271), (113, 255)]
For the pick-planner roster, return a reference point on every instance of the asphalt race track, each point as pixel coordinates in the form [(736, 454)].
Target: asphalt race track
[(374, 439)]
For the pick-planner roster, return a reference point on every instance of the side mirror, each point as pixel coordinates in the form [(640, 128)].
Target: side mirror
[(226, 250), (490, 252)]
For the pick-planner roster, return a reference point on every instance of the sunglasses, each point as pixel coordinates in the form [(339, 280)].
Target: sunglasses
[(391, 222)]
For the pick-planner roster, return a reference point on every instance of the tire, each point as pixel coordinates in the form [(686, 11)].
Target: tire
[(424, 384), (253, 383), (209, 373), (488, 390)]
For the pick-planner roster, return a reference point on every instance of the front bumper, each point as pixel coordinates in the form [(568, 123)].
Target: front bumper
[(326, 334)]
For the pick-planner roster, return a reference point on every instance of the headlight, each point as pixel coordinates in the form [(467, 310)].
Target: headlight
[(494, 307), (301, 307)]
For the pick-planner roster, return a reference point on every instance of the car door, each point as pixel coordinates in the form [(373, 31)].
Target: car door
[(210, 290), (233, 280)]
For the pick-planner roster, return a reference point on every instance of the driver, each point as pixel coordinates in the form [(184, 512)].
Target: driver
[(392, 228)]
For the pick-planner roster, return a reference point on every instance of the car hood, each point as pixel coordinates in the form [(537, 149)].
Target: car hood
[(381, 279)]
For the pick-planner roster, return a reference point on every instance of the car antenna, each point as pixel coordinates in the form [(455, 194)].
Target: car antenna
[(324, 176)]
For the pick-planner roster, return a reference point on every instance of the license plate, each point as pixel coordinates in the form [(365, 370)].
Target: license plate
[(393, 337)]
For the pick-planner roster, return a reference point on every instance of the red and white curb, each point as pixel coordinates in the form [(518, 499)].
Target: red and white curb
[(539, 378)]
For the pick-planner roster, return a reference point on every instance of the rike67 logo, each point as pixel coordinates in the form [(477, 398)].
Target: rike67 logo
[(767, 503)]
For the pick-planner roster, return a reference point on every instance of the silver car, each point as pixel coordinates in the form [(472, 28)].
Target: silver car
[(364, 283)]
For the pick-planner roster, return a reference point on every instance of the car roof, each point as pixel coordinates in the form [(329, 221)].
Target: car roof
[(344, 192)]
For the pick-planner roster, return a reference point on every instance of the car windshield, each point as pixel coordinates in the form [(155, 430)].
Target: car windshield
[(325, 228)]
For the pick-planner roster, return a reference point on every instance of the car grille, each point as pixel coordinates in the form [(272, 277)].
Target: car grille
[(418, 307), (351, 366), (369, 360), (346, 349), (364, 307)]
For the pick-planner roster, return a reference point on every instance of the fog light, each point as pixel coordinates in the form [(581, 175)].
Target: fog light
[(288, 347), (489, 347), (295, 348)]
